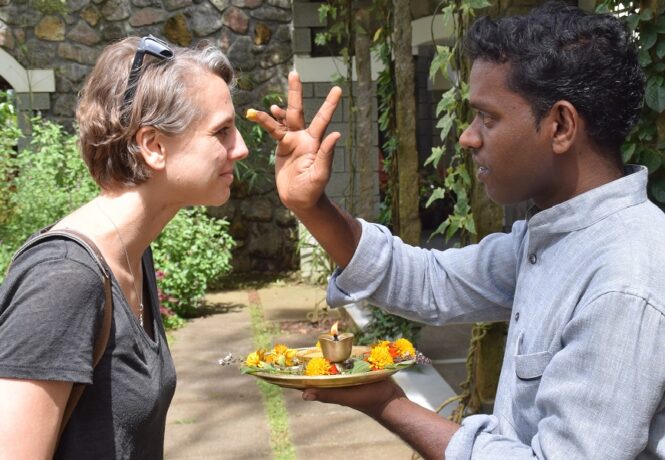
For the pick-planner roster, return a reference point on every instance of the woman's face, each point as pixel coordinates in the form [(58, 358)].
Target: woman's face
[(199, 163)]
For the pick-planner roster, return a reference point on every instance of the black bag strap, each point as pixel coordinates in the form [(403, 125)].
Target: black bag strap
[(103, 337)]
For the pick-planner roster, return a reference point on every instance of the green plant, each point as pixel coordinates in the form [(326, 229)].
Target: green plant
[(192, 250), (646, 143), (44, 182), (257, 168)]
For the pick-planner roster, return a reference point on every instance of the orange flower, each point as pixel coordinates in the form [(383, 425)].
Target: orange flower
[(380, 357), (320, 366), (405, 348)]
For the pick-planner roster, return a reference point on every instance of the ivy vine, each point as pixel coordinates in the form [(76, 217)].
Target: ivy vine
[(453, 114)]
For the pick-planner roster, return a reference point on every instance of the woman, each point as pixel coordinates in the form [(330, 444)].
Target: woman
[(157, 133)]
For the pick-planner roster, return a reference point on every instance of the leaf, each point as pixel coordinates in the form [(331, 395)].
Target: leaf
[(644, 58), (657, 188), (445, 124), (627, 151), (654, 95), (660, 49), (650, 159), (438, 194), (377, 34), (646, 14), (447, 101), (359, 367), (478, 4), (632, 21), (435, 157), (648, 37), (440, 61)]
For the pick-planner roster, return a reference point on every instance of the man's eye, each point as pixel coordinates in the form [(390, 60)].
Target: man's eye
[(222, 132), (483, 117)]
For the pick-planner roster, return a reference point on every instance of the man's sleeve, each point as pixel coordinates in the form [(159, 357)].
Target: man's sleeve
[(597, 397), (469, 284)]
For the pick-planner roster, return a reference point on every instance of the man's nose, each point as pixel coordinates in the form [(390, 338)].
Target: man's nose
[(470, 139)]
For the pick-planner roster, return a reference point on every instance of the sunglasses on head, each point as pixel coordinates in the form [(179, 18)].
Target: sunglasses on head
[(148, 45)]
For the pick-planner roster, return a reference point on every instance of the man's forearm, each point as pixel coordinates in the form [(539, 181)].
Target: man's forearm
[(426, 431), (335, 229)]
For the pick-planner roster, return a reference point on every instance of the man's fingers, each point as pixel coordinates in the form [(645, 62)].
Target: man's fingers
[(324, 115), (275, 129), (326, 153), (295, 118), (278, 112)]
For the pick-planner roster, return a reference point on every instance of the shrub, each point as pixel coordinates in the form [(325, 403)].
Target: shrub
[(193, 250), (43, 182)]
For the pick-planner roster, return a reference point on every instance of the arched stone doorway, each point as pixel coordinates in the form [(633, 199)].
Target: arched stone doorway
[(31, 87)]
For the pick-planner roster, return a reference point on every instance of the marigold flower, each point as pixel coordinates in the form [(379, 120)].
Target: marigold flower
[(380, 357), (320, 366), (254, 359), (280, 351), (405, 348)]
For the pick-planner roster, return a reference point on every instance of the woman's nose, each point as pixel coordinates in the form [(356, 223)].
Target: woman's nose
[(239, 150)]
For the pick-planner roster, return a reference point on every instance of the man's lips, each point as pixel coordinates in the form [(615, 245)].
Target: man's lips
[(482, 171)]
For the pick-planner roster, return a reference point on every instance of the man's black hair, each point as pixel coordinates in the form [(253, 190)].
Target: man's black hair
[(558, 52)]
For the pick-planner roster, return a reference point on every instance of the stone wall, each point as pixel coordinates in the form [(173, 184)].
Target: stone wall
[(255, 34)]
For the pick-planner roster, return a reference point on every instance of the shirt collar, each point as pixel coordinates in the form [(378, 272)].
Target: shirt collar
[(590, 207)]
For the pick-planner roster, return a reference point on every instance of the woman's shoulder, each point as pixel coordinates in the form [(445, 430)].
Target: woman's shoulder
[(53, 265)]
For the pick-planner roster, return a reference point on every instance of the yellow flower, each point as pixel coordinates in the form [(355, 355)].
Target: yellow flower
[(380, 357), (318, 366), (251, 114), (405, 348), (280, 351), (290, 357), (254, 359)]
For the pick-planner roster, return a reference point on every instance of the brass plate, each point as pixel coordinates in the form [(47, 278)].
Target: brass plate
[(327, 381)]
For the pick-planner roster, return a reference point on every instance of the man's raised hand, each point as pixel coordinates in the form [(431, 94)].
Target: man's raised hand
[(304, 156)]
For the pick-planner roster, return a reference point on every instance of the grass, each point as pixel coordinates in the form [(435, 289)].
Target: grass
[(273, 401)]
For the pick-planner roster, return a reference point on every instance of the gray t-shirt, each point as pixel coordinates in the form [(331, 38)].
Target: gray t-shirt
[(51, 311)]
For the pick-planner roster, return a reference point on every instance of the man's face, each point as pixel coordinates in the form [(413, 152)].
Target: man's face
[(514, 159)]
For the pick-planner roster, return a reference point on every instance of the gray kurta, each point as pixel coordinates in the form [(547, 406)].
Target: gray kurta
[(583, 285)]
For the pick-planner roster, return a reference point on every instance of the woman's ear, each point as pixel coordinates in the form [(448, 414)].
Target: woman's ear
[(152, 150), (565, 123)]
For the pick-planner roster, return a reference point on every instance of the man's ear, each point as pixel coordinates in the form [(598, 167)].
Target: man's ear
[(564, 121), (152, 150)]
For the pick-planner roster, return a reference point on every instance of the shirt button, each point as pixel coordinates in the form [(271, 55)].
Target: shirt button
[(517, 316), (533, 259)]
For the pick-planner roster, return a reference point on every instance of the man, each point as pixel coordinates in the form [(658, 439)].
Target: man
[(555, 94)]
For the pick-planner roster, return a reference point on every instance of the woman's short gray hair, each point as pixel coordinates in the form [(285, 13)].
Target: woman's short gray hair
[(163, 99)]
